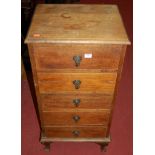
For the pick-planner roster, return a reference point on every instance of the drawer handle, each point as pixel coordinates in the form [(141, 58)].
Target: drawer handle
[(76, 102), (77, 84), (77, 60), (76, 133), (76, 118)]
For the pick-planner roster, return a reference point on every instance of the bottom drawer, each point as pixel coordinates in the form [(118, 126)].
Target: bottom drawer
[(76, 132)]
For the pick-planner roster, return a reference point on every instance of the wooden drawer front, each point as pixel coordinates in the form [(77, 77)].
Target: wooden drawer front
[(88, 101), (90, 82), (76, 118), (61, 57), (76, 132)]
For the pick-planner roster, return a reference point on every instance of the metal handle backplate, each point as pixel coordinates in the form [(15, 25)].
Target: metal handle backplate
[(77, 60), (76, 102), (76, 118), (77, 84), (76, 133)]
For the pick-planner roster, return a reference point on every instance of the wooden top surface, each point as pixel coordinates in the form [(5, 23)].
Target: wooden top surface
[(77, 23)]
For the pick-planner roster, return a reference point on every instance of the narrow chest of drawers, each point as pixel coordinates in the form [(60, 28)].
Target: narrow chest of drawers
[(77, 54)]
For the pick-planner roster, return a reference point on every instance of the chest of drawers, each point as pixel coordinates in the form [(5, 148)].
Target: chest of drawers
[(76, 54)]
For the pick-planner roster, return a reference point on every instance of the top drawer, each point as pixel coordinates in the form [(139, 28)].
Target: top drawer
[(77, 56)]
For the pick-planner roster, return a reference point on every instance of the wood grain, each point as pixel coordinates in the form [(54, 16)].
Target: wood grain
[(63, 82), (123, 52), (60, 56), (35, 81), (67, 132), (77, 24), (86, 118), (87, 101)]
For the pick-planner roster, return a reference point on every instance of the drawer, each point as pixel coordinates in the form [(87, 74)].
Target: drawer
[(100, 117), (88, 101), (60, 56), (76, 132), (77, 82)]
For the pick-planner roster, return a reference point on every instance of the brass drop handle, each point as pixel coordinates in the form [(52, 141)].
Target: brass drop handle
[(77, 60), (77, 84), (76, 118), (76, 102), (76, 133)]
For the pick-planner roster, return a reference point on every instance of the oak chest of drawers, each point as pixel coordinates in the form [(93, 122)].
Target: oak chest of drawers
[(77, 54)]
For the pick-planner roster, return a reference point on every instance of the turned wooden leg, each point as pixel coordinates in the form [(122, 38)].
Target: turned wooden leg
[(47, 146)]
